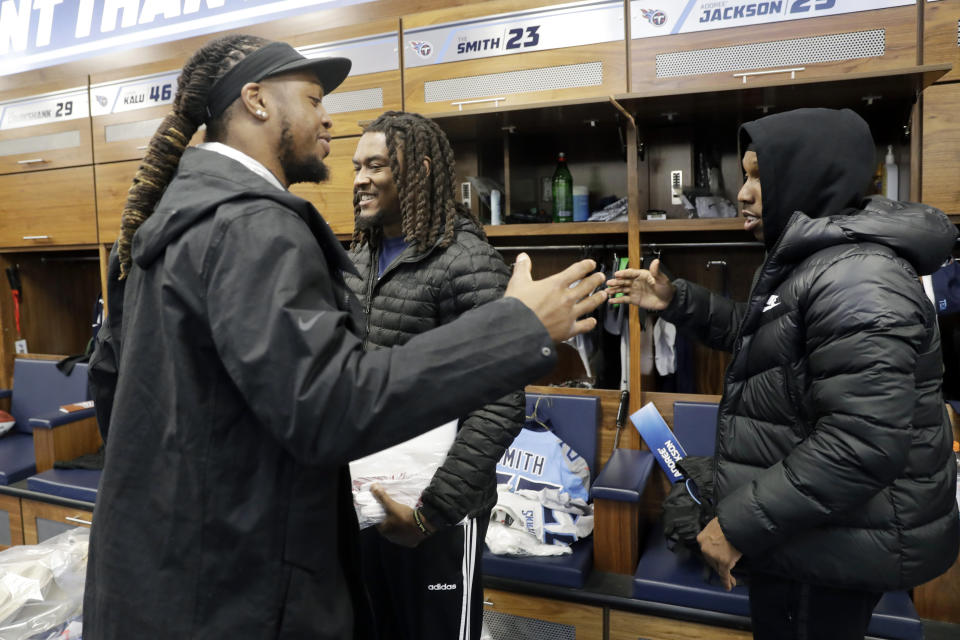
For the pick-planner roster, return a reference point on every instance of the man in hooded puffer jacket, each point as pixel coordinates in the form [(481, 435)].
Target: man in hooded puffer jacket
[(834, 477)]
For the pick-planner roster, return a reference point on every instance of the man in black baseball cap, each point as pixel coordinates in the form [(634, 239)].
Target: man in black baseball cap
[(230, 378)]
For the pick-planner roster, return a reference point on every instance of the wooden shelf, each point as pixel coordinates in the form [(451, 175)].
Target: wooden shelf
[(556, 229), (692, 224)]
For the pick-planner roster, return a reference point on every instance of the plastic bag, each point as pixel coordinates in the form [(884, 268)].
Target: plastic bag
[(403, 471), (41, 587)]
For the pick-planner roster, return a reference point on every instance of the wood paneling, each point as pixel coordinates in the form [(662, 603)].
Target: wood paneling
[(616, 536), (11, 505), (67, 156), (33, 510), (557, 229), (900, 25), (941, 147), (586, 620), (334, 198), (941, 23), (65, 442), (636, 626), (938, 599), (113, 182), (54, 207), (611, 54)]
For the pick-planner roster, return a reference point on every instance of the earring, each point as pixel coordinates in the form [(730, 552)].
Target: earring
[(261, 113)]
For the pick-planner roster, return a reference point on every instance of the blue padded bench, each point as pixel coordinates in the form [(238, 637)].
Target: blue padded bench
[(662, 577), (575, 420), (39, 389), (74, 484)]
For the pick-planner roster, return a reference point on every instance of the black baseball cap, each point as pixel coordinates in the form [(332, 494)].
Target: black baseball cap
[(272, 60)]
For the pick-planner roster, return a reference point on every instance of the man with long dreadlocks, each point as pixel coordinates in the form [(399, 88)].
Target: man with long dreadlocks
[(231, 385), (423, 260)]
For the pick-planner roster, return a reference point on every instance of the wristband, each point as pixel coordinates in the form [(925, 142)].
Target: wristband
[(418, 520)]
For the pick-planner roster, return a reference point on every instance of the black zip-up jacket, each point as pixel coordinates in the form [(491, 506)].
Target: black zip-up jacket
[(242, 391), (423, 290), (834, 463)]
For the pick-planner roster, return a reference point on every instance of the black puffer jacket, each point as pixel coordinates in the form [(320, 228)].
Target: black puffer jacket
[(833, 444), (423, 290)]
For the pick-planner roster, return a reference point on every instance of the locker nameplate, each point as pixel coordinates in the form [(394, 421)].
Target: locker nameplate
[(47, 108), (519, 32), (652, 18), (371, 54), (130, 94)]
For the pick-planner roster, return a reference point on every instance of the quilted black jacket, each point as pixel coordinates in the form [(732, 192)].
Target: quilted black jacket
[(420, 291), (834, 463)]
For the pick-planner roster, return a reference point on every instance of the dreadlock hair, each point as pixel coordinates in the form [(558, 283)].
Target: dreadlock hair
[(428, 200), (173, 135)]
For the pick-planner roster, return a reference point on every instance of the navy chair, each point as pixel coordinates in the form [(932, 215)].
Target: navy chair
[(575, 420), (662, 576), (39, 390)]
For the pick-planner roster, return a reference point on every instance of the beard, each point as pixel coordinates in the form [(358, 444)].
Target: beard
[(368, 223), (365, 222), (299, 169)]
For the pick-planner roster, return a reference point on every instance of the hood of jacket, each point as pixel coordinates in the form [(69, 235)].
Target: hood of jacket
[(205, 180), (920, 234), (817, 161)]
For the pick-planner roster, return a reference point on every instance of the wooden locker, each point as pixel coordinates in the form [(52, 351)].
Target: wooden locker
[(941, 35), (48, 209), (46, 130), (479, 56), (940, 149), (128, 105), (716, 58), (113, 182), (536, 614)]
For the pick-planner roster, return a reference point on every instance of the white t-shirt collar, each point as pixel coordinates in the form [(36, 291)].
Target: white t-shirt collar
[(244, 159)]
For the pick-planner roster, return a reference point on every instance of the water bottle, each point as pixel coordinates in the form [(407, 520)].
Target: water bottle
[(562, 192), (581, 205)]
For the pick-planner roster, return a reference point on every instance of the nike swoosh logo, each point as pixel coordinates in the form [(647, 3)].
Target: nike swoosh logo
[(305, 326)]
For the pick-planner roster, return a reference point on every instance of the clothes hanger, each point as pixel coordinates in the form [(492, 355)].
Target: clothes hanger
[(534, 417)]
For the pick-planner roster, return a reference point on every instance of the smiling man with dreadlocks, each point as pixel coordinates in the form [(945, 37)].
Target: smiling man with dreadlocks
[(231, 383), (423, 260)]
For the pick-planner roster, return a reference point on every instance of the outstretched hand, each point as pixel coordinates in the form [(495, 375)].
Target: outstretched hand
[(556, 300), (398, 526), (649, 290)]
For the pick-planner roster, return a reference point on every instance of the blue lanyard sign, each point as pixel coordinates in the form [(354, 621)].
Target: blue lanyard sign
[(40, 33)]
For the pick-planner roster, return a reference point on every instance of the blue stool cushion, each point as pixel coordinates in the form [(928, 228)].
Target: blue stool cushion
[(75, 484), (17, 459), (565, 571), (574, 419), (896, 618), (695, 425), (40, 388), (624, 477), (662, 577)]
